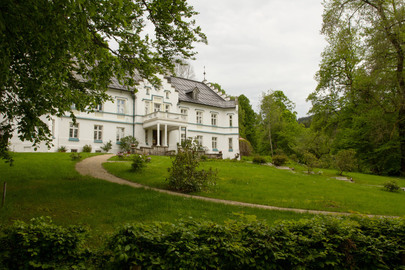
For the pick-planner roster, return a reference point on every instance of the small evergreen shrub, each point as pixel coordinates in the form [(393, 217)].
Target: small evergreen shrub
[(391, 186), (138, 163), (280, 160), (184, 176), (62, 149), (259, 160), (107, 146), (87, 148), (75, 156)]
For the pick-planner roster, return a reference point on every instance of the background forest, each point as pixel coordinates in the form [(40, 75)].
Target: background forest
[(358, 107)]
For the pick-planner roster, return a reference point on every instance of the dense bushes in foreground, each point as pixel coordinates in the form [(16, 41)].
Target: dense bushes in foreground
[(323, 242)]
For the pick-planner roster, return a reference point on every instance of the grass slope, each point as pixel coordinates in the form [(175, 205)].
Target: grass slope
[(46, 184), (267, 185)]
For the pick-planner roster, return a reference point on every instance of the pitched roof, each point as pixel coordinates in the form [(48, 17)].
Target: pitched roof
[(206, 96)]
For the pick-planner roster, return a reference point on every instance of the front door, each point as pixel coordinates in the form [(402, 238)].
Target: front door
[(154, 139)]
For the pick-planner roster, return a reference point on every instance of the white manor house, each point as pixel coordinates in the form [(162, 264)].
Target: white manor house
[(159, 118)]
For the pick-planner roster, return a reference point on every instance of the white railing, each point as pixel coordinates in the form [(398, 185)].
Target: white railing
[(166, 116)]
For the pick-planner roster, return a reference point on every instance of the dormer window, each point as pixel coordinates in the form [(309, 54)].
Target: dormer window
[(195, 93)]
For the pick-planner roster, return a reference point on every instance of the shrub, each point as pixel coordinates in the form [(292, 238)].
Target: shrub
[(87, 148), (345, 160), (138, 163), (259, 160), (280, 160), (319, 243), (107, 146), (391, 186), (309, 160), (127, 142), (184, 176), (75, 156), (42, 244), (62, 149)]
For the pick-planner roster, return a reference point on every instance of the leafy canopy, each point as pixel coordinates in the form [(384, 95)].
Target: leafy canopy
[(57, 53)]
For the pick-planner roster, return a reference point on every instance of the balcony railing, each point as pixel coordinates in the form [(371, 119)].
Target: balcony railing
[(165, 116)]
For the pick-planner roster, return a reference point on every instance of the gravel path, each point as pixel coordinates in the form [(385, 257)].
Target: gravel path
[(93, 166)]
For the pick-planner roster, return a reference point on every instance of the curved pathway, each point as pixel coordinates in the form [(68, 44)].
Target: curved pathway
[(93, 166)]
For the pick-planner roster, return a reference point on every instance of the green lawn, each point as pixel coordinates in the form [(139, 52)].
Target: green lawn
[(246, 182), (46, 184)]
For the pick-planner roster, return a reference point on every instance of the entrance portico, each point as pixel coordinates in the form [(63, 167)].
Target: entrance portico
[(160, 125)]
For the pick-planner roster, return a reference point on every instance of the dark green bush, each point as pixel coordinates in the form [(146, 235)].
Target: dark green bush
[(107, 146), (42, 244), (259, 160), (391, 186), (184, 176), (87, 148), (319, 243), (280, 160), (62, 149), (75, 156), (138, 163), (127, 142)]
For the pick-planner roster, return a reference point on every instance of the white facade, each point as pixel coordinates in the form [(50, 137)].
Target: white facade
[(162, 117)]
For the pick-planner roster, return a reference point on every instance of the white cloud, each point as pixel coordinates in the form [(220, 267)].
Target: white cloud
[(257, 45)]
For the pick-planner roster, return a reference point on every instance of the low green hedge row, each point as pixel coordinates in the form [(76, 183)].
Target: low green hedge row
[(245, 243)]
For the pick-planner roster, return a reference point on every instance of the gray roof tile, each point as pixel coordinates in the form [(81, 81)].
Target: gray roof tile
[(206, 96)]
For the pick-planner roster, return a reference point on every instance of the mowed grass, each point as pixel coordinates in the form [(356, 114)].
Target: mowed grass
[(46, 184), (260, 184)]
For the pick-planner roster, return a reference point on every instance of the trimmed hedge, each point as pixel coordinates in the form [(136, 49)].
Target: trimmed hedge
[(322, 242)]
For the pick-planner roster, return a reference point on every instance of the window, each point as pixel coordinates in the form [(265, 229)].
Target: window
[(146, 137), (230, 120), (199, 116), (167, 94), (184, 111), (214, 119), (99, 108), (183, 137), (121, 106), (157, 107), (230, 144), (214, 144), (148, 91), (199, 140), (120, 134), (74, 131), (147, 107), (167, 108), (98, 133)]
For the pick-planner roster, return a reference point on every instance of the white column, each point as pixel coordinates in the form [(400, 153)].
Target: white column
[(158, 135), (165, 141), (179, 135)]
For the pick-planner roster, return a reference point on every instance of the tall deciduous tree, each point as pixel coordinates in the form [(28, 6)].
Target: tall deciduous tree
[(56, 53), (360, 98), (247, 121)]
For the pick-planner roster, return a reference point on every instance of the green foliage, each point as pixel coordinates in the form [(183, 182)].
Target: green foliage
[(62, 149), (391, 186), (138, 163), (247, 121), (259, 160), (127, 142), (184, 176), (249, 244), (309, 160), (345, 160), (107, 146), (75, 156), (87, 148), (72, 55), (280, 160), (43, 245)]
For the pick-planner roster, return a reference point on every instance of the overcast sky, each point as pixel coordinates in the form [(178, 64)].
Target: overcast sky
[(260, 45)]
